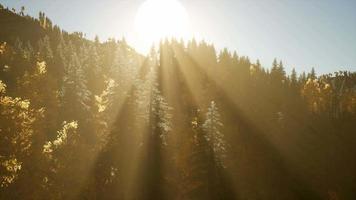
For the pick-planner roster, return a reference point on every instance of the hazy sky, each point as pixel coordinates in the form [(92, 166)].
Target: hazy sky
[(302, 33)]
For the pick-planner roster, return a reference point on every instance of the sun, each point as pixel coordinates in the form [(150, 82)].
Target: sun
[(157, 19)]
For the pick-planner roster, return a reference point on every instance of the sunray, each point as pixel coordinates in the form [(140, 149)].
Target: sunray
[(85, 119), (128, 152), (241, 116)]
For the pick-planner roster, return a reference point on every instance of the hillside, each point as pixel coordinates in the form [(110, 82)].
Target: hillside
[(84, 119)]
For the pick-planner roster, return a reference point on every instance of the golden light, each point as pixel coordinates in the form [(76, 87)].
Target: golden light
[(157, 19)]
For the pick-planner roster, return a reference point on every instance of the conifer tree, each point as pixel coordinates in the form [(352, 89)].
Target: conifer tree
[(312, 74), (214, 136), (45, 49), (75, 96), (293, 80)]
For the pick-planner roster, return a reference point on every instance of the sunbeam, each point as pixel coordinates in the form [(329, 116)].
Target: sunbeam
[(85, 116)]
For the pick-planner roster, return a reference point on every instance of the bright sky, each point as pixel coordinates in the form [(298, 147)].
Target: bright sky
[(302, 33)]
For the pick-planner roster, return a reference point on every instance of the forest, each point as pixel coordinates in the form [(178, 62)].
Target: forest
[(91, 119)]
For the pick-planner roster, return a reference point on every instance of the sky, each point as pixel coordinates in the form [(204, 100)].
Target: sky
[(301, 33)]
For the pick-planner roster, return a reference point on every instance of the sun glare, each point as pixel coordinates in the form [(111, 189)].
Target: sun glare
[(157, 19)]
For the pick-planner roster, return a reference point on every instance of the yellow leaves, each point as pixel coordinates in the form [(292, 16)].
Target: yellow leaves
[(47, 148), (6, 101), (12, 166), (312, 92), (110, 83), (62, 137), (24, 104), (2, 87), (2, 48), (14, 102), (41, 111), (73, 124), (311, 86), (100, 103), (102, 100), (6, 68), (195, 122), (17, 130), (41, 67), (327, 86), (320, 95)]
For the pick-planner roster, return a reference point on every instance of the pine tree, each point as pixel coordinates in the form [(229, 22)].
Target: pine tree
[(124, 70), (293, 79), (18, 46), (151, 104), (45, 49), (277, 73), (302, 78), (22, 12), (75, 96), (312, 74), (213, 135), (29, 52)]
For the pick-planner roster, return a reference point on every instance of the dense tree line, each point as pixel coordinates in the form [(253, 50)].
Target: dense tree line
[(83, 119)]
